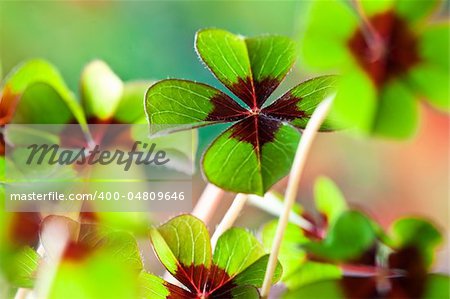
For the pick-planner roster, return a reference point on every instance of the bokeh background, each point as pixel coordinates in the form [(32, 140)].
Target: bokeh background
[(154, 40)]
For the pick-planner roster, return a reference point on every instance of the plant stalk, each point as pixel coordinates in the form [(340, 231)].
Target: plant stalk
[(304, 146), (207, 203), (272, 205), (230, 217), (373, 38)]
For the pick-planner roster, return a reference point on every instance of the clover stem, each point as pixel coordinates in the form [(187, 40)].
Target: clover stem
[(272, 205), (373, 39), (207, 203), (229, 218), (303, 148)]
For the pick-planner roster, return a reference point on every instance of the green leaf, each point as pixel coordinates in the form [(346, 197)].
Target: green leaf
[(311, 272), (291, 254), (179, 104), (32, 84), (398, 112), (329, 200), (226, 55), (251, 156), (350, 236), (182, 245), (97, 262), (89, 240), (130, 108), (134, 222), (360, 113), (377, 95), (323, 42), (298, 104), (101, 90), (414, 10), (20, 267), (250, 67), (431, 83), (437, 287), (152, 287), (100, 276), (254, 274), (430, 77), (377, 7), (122, 245), (182, 242), (236, 250), (418, 233), (271, 58), (243, 292), (41, 104), (326, 289)]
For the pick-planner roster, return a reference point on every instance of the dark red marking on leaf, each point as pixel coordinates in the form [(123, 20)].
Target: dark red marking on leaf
[(254, 94), (245, 90), (368, 257), (225, 109), (397, 54), (410, 284), (360, 287), (410, 260), (264, 89), (89, 217), (285, 108), (176, 292), (256, 130), (318, 229), (8, 104), (24, 228), (76, 251), (203, 282), (2, 145)]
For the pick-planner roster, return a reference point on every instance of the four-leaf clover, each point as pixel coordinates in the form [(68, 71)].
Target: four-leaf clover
[(389, 53), (258, 150), (235, 270)]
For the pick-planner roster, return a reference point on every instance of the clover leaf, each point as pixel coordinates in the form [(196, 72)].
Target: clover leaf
[(96, 262), (339, 236), (351, 235), (18, 234), (235, 270), (20, 266), (436, 286), (258, 149), (330, 202), (352, 257), (389, 54), (36, 93)]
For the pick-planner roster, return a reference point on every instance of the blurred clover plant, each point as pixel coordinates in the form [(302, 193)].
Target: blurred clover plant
[(348, 255), (35, 93), (258, 149), (96, 262), (235, 269), (389, 53)]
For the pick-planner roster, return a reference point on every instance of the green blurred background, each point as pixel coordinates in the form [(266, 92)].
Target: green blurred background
[(154, 40)]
